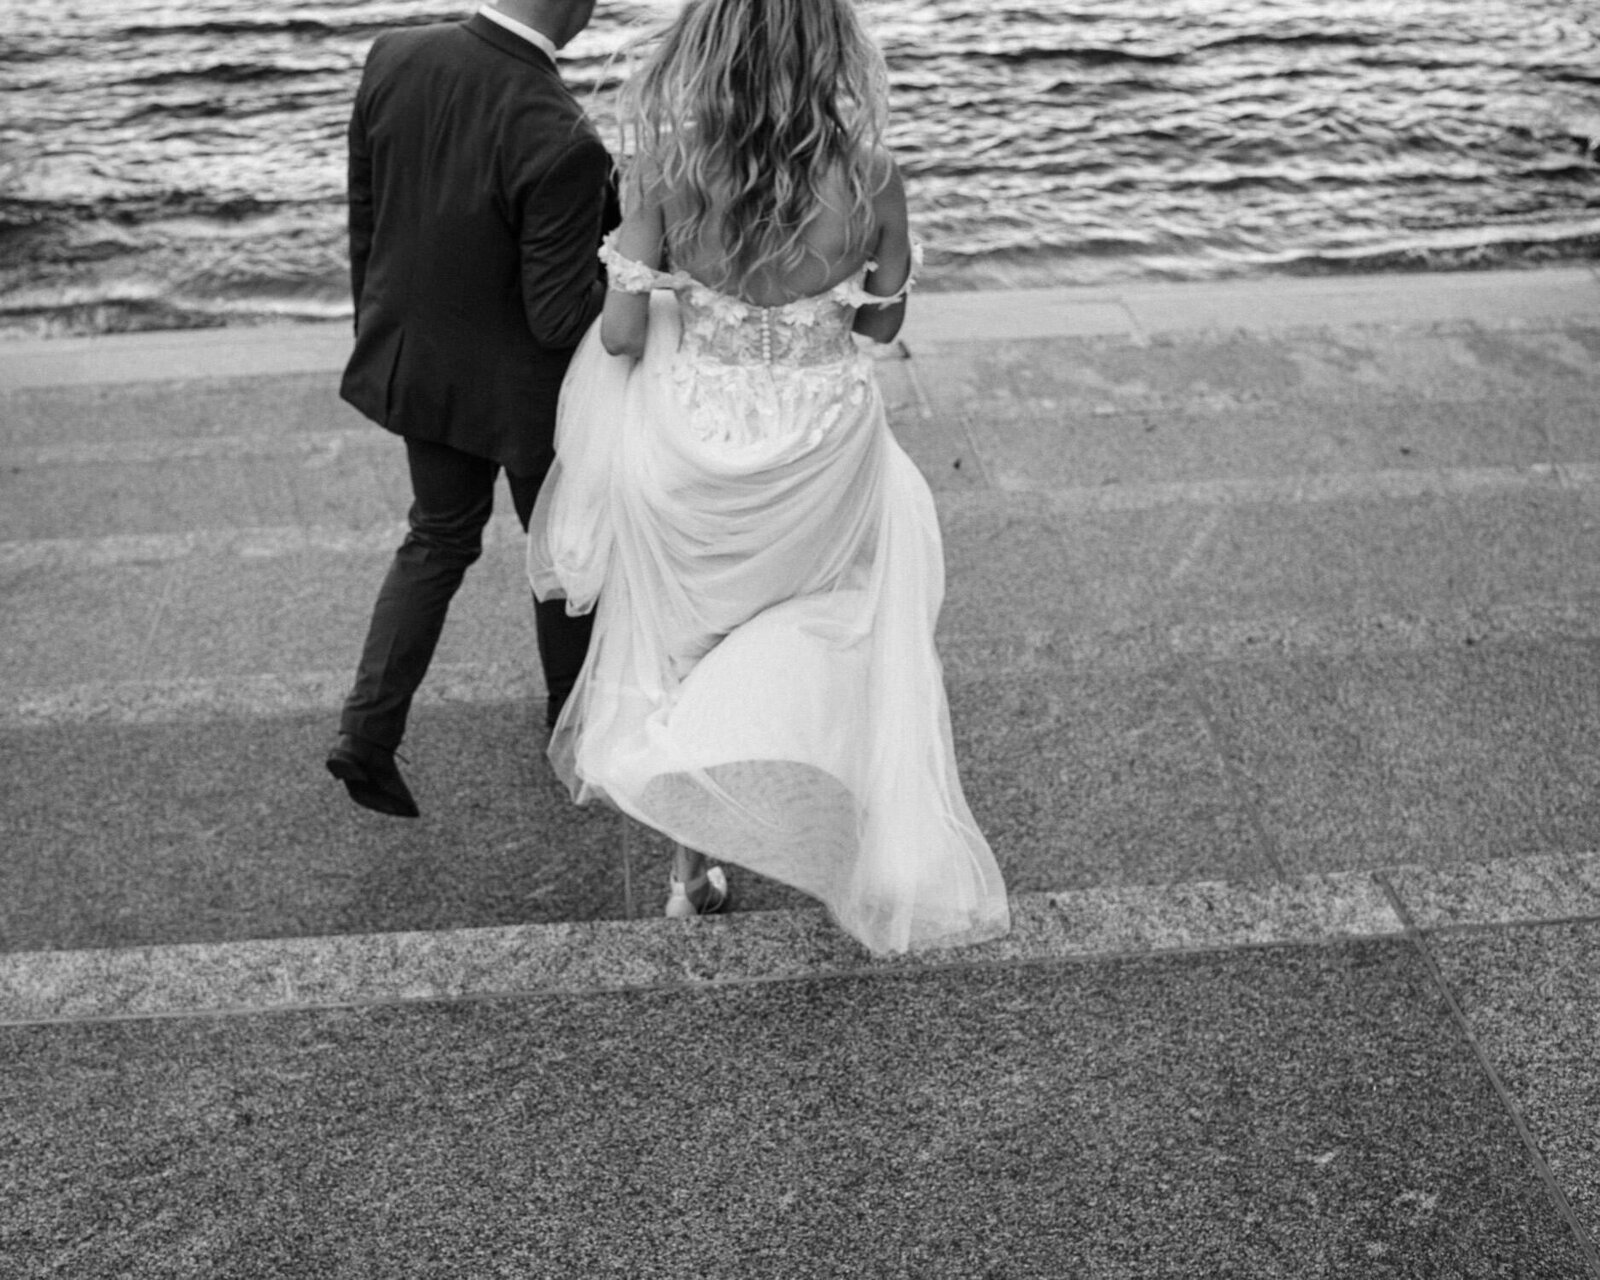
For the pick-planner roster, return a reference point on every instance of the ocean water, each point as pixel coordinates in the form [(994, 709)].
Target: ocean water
[(168, 165)]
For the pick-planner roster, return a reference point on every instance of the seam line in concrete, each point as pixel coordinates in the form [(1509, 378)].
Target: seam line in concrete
[(262, 542), (1137, 333), (264, 694), (1553, 1189), (629, 834), (1240, 783), (321, 446), (1478, 928), (1303, 490), (163, 604)]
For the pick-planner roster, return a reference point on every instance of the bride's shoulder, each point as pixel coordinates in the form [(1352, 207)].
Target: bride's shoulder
[(869, 171), (881, 166), (883, 177), (886, 194)]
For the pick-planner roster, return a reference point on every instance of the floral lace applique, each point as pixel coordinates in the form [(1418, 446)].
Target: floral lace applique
[(626, 275), (749, 404), (854, 292)]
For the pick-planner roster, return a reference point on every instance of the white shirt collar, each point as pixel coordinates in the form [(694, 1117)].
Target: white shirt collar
[(537, 39)]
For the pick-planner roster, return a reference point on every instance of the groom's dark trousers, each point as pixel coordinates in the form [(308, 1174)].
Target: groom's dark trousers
[(478, 196)]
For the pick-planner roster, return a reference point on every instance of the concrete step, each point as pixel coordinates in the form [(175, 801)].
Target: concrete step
[(89, 460), (165, 820), (1492, 301), (1374, 1076), (1231, 603), (1444, 557)]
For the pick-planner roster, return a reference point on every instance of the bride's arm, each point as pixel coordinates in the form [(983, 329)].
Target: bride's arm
[(891, 251), (626, 318)]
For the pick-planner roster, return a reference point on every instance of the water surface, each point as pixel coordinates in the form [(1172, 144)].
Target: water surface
[(166, 164)]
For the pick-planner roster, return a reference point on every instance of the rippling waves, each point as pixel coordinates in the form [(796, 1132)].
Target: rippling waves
[(164, 167)]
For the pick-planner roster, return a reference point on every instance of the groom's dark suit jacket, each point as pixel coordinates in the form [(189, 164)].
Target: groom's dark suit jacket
[(478, 196)]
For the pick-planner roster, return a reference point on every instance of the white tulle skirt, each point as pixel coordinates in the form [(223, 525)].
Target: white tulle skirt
[(762, 684)]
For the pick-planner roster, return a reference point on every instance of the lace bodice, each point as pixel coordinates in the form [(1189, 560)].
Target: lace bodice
[(719, 328)]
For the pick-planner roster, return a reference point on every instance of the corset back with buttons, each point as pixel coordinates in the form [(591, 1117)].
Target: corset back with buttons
[(762, 377)]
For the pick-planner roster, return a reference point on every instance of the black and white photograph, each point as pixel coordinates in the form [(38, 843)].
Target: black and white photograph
[(903, 639)]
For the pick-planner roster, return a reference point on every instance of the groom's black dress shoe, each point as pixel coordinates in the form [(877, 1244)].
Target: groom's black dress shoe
[(371, 776)]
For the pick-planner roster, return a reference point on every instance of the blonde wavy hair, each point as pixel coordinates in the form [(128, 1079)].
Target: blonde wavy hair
[(745, 108)]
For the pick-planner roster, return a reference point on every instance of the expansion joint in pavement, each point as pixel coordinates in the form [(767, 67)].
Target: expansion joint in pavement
[(1244, 788), (1507, 1099)]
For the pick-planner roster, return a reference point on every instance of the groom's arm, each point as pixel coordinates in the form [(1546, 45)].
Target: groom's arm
[(360, 198), (563, 219)]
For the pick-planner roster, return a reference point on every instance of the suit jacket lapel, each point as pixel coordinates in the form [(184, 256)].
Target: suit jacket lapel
[(508, 42)]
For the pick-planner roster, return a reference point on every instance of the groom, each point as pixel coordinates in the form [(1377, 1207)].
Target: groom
[(478, 196)]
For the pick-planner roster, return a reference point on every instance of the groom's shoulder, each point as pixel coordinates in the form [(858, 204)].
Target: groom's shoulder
[(541, 99), (432, 36), (397, 46)]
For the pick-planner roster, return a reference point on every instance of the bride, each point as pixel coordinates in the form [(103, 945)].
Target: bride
[(763, 559)]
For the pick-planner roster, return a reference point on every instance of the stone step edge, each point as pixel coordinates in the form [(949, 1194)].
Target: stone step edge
[(1138, 311), (1100, 924)]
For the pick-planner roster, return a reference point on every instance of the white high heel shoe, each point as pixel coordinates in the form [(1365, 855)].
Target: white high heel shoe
[(709, 889)]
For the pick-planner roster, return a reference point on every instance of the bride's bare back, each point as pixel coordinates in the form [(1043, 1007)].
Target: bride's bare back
[(836, 245)]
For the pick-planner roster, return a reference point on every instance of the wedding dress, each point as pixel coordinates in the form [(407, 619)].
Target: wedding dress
[(766, 569)]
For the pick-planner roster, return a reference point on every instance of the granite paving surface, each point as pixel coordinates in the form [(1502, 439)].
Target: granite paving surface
[(1541, 887), (1532, 998), (1151, 682), (1031, 562), (1230, 371), (1462, 754), (1497, 301), (96, 498), (212, 826), (1418, 556), (1297, 1112), (204, 825), (308, 611), (1083, 776), (262, 407), (292, 600), (213, 829), (67, 627), (355, 970), (1055, 447)]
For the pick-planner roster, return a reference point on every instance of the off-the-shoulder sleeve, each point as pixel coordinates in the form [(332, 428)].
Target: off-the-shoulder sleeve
[(628, 276), (859, 297)]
